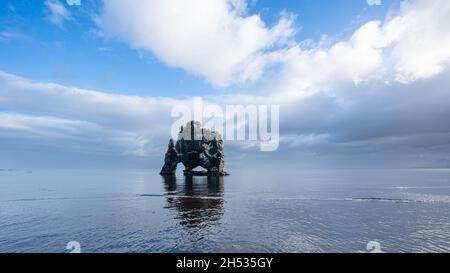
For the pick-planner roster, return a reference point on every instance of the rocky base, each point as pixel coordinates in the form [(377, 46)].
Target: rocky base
[(167, 173), (204, 173)]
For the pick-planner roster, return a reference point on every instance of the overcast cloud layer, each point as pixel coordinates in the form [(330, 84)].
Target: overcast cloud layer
[(384, 89)]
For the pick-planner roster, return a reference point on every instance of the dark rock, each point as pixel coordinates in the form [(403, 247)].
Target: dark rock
[(195, 147)]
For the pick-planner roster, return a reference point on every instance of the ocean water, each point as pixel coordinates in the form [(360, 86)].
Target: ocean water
[(260, 210)]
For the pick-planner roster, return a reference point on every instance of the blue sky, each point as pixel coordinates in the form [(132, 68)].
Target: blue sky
[(357, 81), (74, 54)]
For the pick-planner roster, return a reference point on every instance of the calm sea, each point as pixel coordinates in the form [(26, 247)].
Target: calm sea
[(259, 210)]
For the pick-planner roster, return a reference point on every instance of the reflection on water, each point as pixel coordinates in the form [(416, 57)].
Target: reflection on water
[(261, 211), (198, 200)]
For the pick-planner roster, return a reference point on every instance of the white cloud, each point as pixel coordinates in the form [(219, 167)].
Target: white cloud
[(421, 39), (214, 39), (374, 2), (58, 12), (64, 112), (73, 2), (311, 70), (220, 42), (412, 45), (70, 135)]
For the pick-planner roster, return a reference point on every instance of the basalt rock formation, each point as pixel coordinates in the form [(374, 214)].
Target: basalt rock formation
[(195, 147)]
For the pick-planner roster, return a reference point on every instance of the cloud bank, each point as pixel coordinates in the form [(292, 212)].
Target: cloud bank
[(214, 39), (220, 42)]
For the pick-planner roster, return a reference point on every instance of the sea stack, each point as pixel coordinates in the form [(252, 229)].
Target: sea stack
[(195, 147)]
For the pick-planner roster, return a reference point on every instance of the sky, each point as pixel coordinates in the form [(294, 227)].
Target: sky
[(92, 83)]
